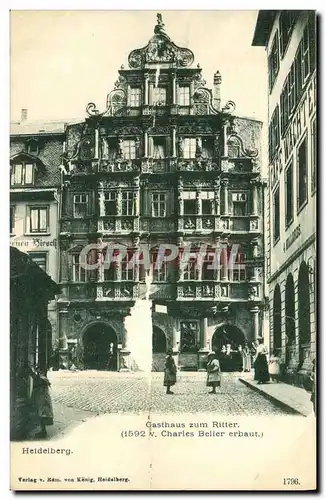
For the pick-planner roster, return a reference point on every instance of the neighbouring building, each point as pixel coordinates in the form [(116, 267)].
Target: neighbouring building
[(290, 41), (36, 150), (165, 163), (30, 338)]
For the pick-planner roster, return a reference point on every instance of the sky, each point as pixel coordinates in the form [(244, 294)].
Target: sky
[(62, 60)]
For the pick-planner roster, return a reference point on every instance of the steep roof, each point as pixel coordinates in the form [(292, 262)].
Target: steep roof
[(263, 27)]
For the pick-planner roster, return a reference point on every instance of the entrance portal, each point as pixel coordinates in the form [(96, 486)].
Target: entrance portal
[(100, 348), (225, 343)]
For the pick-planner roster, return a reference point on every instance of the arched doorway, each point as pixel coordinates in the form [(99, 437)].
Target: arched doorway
[(232, 335), (304, 312), (159, 349), (99, 353), (289, 317), (277, 333)]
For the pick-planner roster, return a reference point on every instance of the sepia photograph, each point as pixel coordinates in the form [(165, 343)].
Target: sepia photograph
[(163, 304)]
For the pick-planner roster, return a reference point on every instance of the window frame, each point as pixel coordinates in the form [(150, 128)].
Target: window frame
[(159, 204), (135, 98), (128, 202), (114, 201), (29, 219), (304, 139), (274, 133), (86, 204), (129, 149), (23, 165), (276, 238), (189, 147), (80, 270), (290, 165), (273, 57), (182, 100), (286, 28), (157, 91), (44, 255)]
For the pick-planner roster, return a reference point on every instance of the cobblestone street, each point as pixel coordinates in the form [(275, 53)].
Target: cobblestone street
[(109, 392)]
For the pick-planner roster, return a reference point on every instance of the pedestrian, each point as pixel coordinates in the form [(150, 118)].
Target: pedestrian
[(170, 372), (239, 357), (274, 367), (213, 372), (260, 365), (246, 358), (42, 400)]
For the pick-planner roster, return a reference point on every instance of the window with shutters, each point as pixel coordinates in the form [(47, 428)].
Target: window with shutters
[(189, 147), (184, 95), (159, 204), (274, 134), (239, 201), (274, 62), (302, 174), (287, 22), (129, 149), (276, 215), (313, 139), (289, 198), (38, 219), (80, 205), (135, 97)]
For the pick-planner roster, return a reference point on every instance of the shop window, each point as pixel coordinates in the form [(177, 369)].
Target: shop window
[(189, 336)]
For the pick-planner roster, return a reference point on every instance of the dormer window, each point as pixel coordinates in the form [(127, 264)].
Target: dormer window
[(135, 97), (32, 147), (22, 174)]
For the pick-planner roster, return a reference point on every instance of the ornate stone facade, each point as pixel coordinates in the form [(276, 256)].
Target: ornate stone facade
[(163, 164)]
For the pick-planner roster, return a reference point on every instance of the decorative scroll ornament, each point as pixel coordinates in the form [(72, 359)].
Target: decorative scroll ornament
[(229, 107), (236, 148), (160, 49)]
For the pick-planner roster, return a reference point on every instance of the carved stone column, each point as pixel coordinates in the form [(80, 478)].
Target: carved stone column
[(145, 144), (100, 263), (119, 202), (204, 347), (174, 89), (224, 265), (255, 321), (146, 91), (225, 183), (174, 141), (225, 140), (254, 248), (101, 201), (63, 344), (254, 197), (180, 196), (216, 202), (97, 143)]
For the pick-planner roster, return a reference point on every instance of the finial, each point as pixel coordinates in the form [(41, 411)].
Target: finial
[(159, 28), (198, 66), (122, 66)]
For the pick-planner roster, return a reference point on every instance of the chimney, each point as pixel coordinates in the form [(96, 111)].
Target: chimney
[(24, 115), (217, 90)]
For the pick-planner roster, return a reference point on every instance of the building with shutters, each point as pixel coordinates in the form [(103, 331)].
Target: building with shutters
[(290, 41), (35, 156), (164, 163)]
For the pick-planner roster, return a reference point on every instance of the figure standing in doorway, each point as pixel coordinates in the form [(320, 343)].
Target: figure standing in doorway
[(170, 372), (260, 365), (246, 358)]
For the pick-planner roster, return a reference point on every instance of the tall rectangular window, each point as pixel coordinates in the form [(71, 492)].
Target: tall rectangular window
[(302, 172), (184, 96), (38, 218), (189, 147), (39, 259), (159, 146), (276, 215), (159, 204), (239, 201), (80, 205), (128, 203), (190, 271), (159, 96), (274, 133), (79, 273), (135, 97), (110, 203), (287, 22), (274, 62), (129, 149), (127, 269), (313, 139), (159, 271), (22, 174), (289, 198), (12, 220)]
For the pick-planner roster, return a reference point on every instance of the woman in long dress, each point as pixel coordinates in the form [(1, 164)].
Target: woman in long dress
[(246, 358), (260, 365), (42, 400), (213, 372), (170, 372)]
